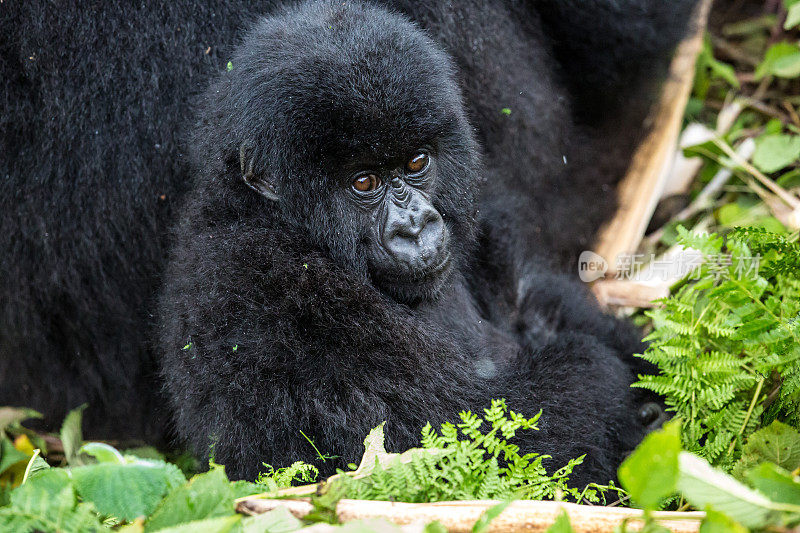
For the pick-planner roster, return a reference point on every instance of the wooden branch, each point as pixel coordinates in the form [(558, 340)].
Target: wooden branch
[(623, 293), (640, 189), (459, 517)]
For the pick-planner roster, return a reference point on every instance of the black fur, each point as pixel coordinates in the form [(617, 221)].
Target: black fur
[(285, 330)]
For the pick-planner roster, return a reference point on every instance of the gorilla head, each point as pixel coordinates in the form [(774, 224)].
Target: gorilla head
[(347, 119)]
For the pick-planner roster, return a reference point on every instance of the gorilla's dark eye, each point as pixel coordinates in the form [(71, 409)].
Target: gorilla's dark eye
[(418, 163), (366, 182)]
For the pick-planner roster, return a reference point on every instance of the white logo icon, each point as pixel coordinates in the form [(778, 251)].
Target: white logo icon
[(591, 266)]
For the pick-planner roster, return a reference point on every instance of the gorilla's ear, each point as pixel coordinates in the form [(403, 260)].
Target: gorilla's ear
[(257, 182)]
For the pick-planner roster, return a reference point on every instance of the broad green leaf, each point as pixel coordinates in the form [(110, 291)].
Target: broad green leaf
[(102, 452), (125, 491), (731, 214), (240, 489), (47, 502), (482, 523), (44, 512), (561, 525), (649, 474), (144, 452), (434, 527), (724, 71), (72, 435), (708, 150), (775, 483), (718, 68), (773, 125), (716, 522), (324, 502), (9, 455), (775, 152), (46, 483), (702, 486), (222, 524), (279, 520), (35, 465), (792, 17), (207, 495), (787, 67), (770, 224), (790, 179), (782, 59), (777, 443), (11, 416)]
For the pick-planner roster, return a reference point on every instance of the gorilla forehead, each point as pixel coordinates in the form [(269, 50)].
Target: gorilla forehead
[(347, 79)]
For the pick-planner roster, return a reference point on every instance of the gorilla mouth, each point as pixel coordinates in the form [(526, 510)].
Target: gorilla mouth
[(419, 284), (434, 271)]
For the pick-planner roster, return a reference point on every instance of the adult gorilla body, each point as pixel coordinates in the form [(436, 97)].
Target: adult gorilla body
[(275, 297)]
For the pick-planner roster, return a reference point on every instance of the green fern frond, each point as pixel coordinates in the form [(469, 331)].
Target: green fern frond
[(478, 463), (727, 344)]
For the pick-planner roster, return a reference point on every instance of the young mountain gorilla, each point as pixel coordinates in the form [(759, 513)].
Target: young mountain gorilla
[(349, 249), (321, 263)]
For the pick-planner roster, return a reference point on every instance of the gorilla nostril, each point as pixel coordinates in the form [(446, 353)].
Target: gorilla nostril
[(414, 230), (432, 216), (418, 221)]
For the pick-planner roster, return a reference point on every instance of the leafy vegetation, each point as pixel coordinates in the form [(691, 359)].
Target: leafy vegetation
[(769, 498), (745, 97), (727, 343), (463, 462), (101, 488)]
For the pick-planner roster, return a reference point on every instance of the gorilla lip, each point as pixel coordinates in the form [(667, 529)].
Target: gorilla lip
[(439, 267), (435, 274), (431, 272)]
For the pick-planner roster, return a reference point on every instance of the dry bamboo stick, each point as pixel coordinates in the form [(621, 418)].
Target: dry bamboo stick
[(639, 191), (624, 293), (458, 517)]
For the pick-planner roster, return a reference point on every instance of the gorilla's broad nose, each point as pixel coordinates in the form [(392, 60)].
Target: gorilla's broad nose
[(417, 219), (414, 230)]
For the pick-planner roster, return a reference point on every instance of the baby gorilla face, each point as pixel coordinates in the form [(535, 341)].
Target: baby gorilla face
[(409, 253), (350, 118)]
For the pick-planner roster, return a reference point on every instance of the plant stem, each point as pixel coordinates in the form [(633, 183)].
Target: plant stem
[(748, 415)]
